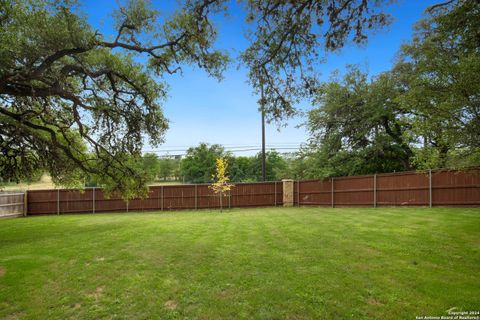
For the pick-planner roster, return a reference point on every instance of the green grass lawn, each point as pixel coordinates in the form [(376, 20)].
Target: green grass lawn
[(266, 263)]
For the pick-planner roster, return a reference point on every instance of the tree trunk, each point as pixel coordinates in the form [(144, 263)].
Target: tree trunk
[(442, 155)]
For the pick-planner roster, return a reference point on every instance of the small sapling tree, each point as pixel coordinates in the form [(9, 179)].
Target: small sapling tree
[(221, 183)]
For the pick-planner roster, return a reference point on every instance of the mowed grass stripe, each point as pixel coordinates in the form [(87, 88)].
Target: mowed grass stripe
[(264, 263)]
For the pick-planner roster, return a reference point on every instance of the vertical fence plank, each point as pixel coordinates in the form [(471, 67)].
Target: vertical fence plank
[(375, 190), (58, 201), (333, 192), (25, 203), (298, 193), (196, 197), (161, 206), (93, 200), (275, 191), (430, 188)]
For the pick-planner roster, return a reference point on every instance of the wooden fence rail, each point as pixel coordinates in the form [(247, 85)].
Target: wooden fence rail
[(430, 188)]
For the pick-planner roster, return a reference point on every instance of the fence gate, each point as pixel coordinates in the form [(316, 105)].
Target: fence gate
[(12, 203)]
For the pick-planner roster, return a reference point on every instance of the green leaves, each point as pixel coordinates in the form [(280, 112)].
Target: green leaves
[(198, 166), (357, 127), (60, 79), (424, 113), (135, 18), (288, 39), (71, 98), (442, 65)]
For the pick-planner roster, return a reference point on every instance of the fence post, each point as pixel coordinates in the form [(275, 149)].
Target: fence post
[(58, 201), (25, 203), (196, 198), (288, 193), (333, 191), (93, 200), (128, 201), (430, 187), (375, 190)]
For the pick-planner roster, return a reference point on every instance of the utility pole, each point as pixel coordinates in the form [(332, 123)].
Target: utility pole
[(264, 165)]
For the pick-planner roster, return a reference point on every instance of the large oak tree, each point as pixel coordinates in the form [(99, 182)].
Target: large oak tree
[(424, 113)]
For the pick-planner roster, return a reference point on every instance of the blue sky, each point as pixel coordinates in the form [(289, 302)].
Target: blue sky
[(201, 109)]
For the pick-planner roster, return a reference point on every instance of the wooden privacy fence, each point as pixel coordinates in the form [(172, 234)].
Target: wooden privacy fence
[(431, 188), (162, 198), (12, 204)]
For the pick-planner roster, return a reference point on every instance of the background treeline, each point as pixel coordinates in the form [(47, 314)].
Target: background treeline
[(198, 166)]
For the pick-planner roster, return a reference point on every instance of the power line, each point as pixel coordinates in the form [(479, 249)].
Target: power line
[(180, 152), (230, 148), (246, 148)]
